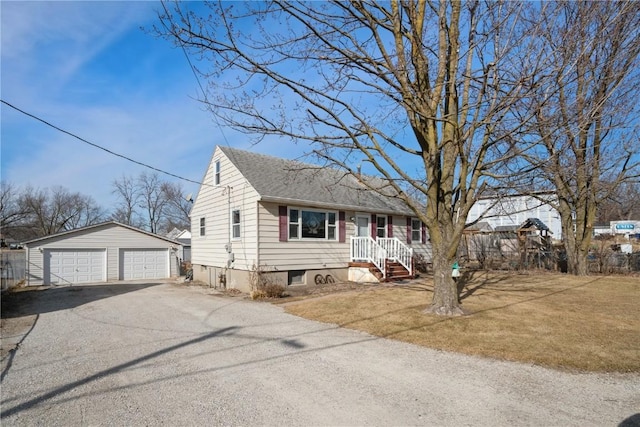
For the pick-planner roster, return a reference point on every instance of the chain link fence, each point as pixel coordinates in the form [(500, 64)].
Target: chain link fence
[(13, 265)]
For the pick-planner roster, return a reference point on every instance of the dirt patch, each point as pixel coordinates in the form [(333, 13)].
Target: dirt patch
[(303, 292)]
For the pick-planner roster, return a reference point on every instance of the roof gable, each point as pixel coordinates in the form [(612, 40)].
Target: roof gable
[(287, 181)]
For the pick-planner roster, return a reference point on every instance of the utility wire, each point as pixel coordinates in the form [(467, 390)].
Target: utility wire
[(100, 147), (205, 99)]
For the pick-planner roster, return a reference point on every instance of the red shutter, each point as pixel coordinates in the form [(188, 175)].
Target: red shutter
[(389, 226), (374, 225), (342, 230), (284, 223), (408, 230), (424, 233)]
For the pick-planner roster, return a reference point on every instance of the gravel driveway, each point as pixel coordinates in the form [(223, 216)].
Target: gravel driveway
[(159, 353)]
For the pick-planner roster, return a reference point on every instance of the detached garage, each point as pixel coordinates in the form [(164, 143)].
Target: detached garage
[(99, 253)]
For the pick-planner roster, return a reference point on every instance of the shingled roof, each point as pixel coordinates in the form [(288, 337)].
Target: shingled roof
[(292, 182), (535, 223)]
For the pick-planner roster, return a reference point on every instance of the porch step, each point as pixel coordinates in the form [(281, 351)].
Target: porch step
[(396, 271)]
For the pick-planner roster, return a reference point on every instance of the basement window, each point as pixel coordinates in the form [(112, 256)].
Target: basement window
[(296, 277)]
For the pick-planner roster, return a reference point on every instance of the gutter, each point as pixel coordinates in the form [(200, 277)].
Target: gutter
[(300, 202)]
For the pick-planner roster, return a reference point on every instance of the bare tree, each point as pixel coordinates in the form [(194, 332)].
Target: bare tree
[(622, 204), (85, 211), (149, 202), (127, 192), (178, 208), (55, 210), (585, 108), (12, 213), (153, 200), (420, 90)]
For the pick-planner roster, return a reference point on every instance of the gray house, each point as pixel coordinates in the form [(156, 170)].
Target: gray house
[(299, 222), (99, 253)]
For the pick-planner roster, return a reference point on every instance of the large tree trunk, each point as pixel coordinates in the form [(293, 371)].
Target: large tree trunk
[(444, 247), (445, 301), (577, 257)]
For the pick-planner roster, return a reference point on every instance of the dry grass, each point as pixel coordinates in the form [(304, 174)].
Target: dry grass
[(560, 321)]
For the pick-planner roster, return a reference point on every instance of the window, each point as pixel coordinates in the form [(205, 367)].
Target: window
[(235, 224), (294, 224), (312, 224), (416, 230), (296, 277), (216, 178), (202, 226), (381, 226), (331, 226)]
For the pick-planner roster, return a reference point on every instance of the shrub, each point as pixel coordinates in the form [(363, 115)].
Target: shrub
[(420, 263), (263, 284)]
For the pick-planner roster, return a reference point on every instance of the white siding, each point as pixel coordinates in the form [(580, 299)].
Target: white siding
[(515, 210), (215, 203), (299, 254), (110, 237), (400, 231)]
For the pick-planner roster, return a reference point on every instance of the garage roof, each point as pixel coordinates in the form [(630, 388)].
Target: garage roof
[(102, 224)]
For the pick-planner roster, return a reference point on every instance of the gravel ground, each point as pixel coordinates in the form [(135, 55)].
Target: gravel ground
[(159, 353)]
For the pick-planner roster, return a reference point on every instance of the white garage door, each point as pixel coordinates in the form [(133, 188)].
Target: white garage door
[(74, 266), (144, 264)]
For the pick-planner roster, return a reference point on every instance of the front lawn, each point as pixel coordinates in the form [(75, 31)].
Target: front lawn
[(584, 323)]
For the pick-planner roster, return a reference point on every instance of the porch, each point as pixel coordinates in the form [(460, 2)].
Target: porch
[(384, 259)]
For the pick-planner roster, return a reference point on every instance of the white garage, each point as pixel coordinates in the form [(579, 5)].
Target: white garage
[(144, 264), (104, 252), (65, 266)]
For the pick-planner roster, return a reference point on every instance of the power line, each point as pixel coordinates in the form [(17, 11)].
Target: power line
[(205, 99), (100, 147)]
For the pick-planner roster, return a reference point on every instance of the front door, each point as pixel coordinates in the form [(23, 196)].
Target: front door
[(362, 226)]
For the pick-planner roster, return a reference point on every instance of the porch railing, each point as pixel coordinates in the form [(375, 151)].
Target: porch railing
[(398, 252), (367, 250), (379, 251)]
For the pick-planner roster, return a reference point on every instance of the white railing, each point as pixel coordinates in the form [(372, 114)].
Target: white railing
[(398, 252), (379, 251), (366, 249)]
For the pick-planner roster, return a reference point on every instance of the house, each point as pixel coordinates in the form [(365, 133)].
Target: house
[(184, 238), (100, 253), (296, 223), (514, 210)]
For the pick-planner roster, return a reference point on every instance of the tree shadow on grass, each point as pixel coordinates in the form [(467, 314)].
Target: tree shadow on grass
[(466, 288)]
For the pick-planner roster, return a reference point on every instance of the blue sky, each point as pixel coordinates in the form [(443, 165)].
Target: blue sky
[(89, 68)]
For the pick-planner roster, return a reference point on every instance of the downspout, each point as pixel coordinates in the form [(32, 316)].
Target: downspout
[(26, 270), (257, 232)]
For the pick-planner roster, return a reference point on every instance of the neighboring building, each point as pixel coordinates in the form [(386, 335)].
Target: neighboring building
[(599, 230), (184, 238), (297, 221), (513, 211), (629, 228), (100, 253)]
